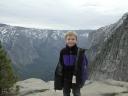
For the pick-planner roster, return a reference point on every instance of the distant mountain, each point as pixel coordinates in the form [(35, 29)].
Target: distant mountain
[(111, 59), (35, 52)]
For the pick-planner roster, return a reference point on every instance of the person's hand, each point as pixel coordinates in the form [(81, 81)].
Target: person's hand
[(81, 85)]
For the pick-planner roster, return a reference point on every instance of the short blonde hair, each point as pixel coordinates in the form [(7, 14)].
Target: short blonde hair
[(71, 33)]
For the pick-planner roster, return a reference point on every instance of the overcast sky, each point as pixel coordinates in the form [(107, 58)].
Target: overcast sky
[(62, 14)]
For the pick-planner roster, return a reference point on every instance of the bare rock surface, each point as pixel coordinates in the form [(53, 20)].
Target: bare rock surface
[(37, 87)]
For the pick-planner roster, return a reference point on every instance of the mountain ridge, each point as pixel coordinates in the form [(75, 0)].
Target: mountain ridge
[(112, 60), (28, 48)]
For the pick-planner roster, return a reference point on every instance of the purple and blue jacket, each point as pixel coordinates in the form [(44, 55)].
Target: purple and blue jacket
[(66, 65)]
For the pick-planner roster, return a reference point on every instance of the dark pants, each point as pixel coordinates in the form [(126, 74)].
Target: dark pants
[(67, 89)]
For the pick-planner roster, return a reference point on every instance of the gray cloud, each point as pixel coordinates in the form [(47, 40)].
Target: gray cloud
[(61, 14)]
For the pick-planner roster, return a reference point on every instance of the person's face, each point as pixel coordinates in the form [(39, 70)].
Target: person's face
[(71, 41)]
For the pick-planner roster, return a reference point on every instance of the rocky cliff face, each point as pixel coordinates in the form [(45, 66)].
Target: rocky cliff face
[(112, 58), (98, 37)]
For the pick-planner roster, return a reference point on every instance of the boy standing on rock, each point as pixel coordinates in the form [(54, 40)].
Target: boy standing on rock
[(71, 70)]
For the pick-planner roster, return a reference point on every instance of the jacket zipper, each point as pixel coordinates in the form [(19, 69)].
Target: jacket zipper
[(69, 57)]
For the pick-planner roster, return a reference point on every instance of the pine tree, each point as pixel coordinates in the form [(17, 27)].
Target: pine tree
[(7, 77)]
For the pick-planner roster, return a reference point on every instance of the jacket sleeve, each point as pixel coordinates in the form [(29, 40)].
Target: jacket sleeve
[(59, 68), (84, 69), (85, 61), (58, 78)]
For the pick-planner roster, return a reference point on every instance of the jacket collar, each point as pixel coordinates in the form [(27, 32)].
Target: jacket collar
[(72, 48)]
